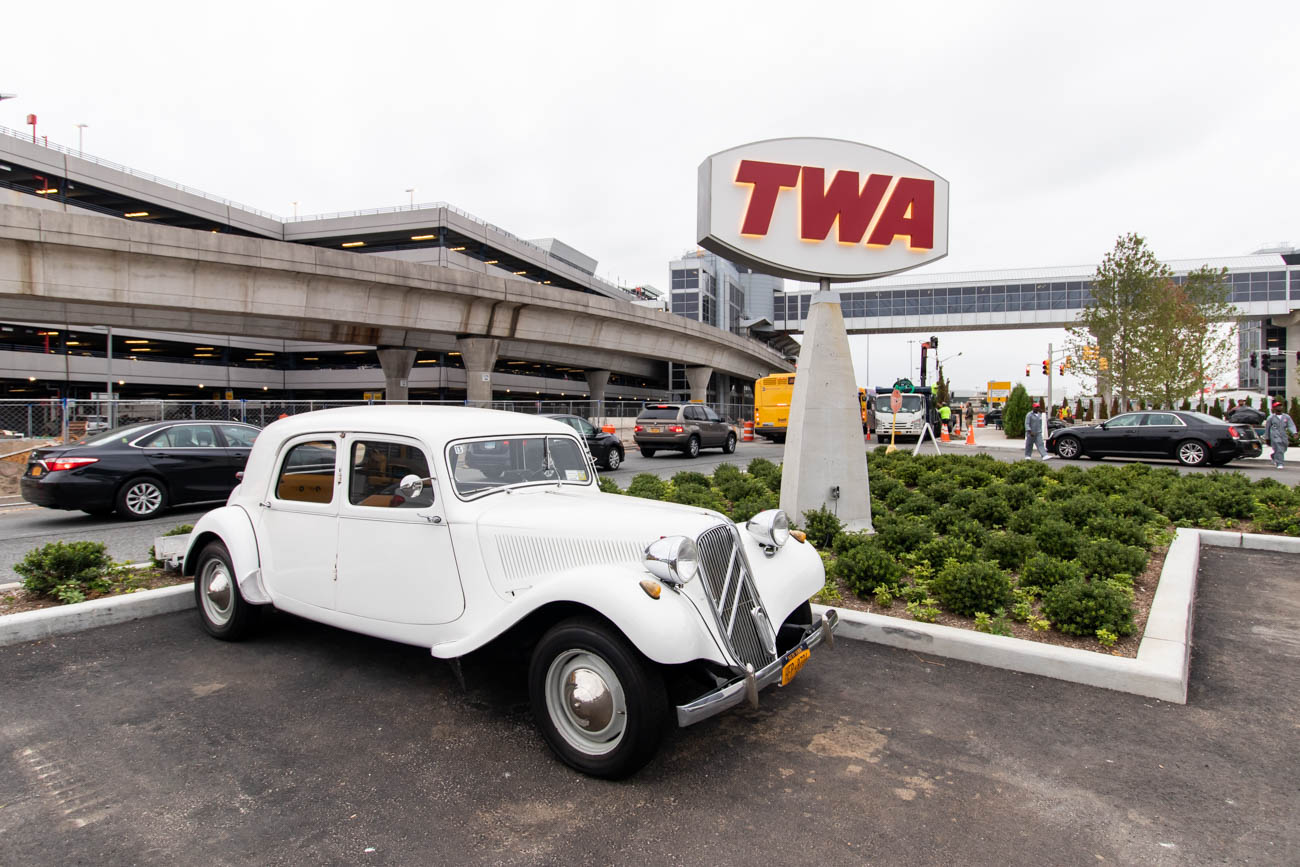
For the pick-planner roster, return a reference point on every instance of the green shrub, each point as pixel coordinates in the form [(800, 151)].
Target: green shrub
[(1045, 571), (750, 505), (766, 472), (884, 595), (990, 509), (609, 486), (865, 567), (939, 489), (64, 569), (1056, 537), (647, 486), (1013, 413), (844, 542), (696, 495), (687, 478), (822, 526), (1128, 532), (908, 471), (1231, 496), (1081, 607), (923, 610), (963, 498), (896, 497), (966, 588), (968, 531), (939, 551), (945, 517), (1107, 558), (1008, 550), (904, 534), (1026, 472), (1081, 508), (918, 504), (1284, 519), (1026, 520), (993, 624)]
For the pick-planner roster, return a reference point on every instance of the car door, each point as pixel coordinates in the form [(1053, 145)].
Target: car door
[(395, 560), (297, 522), (693, 418), (190, 460), (718, 429), (1119, 436), (1159, 434), (238, 443), (589, 433)]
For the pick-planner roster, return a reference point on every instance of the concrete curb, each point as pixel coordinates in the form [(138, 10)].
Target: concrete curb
[(32, 625), (1164, 655)]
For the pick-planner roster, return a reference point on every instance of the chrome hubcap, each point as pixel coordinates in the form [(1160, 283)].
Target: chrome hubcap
[(585, 702), (1192, 453), (613, 460), (1066, 448), (218, 592), (143, 498)]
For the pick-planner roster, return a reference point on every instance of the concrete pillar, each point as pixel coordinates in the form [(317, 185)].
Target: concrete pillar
[(698, 377), (824, 447), (596, 382), (479, 355), (396, 363)]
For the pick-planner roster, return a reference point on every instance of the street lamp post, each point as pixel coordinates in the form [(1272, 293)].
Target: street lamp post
[(81, 132), (410, 194)]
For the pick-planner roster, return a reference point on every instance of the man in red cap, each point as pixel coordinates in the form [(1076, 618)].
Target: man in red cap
[(1278, 430), (1034, 422)]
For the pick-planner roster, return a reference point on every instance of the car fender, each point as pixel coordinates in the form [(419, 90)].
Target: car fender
[(787, 579), (233, 527), (669, 630)]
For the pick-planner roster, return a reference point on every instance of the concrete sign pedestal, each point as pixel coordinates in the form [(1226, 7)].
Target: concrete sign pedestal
[(824, 445)]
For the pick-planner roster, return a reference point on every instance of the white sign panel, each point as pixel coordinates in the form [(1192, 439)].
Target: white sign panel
[(817, 208)]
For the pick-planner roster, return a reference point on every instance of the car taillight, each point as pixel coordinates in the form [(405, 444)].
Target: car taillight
[(54, 465), (1233, 432), (677, 429), (636, 429)]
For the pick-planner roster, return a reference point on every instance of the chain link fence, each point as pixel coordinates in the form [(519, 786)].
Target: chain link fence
[(58, 419)]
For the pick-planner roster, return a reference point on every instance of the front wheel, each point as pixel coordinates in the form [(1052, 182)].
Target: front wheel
[(692, 447), (613, 459), (141, 498), (222, 608), (729, 447), (1192, 453), (1068, 448), (599, 704)]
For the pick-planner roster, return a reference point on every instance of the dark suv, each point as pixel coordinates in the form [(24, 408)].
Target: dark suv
[(683, 427)]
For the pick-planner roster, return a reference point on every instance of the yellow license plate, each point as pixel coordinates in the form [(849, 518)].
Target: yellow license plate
[(37, 470), (791, 668), (654, 430)]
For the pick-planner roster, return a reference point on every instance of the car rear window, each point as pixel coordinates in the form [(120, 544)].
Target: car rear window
[(659, 412)]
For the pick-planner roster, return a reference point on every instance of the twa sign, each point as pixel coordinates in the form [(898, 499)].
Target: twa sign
[(816, 208)]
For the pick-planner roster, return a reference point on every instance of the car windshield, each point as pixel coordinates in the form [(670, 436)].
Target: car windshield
[(121, 435), (911, 403), (652, 412), (482, 466)]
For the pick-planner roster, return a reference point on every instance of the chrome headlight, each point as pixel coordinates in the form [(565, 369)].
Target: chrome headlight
[(770, 528), (673, 560)]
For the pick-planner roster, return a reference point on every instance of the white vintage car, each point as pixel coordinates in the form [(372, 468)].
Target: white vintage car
[(450, 528)]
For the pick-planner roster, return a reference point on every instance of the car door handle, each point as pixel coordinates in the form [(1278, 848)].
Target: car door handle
[(158, 454)]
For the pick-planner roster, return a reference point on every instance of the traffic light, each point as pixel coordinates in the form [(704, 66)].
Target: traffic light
[(1263, 362), (1047, 367), (934, 342), (1254, 359), (1062, 368), (1026, 370)]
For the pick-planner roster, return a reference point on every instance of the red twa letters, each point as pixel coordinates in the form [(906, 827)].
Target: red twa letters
[(908, 211)]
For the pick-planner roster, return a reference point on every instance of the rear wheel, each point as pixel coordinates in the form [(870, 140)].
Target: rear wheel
[(599, 704), (729, 447), (692, 449), (1068, 448), (222, 609), (1192, 453), (647, 452), (141, 498)]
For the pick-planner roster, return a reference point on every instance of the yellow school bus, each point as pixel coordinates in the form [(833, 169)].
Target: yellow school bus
[(772, 397)]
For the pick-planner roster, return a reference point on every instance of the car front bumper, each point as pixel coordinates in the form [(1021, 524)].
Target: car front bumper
[(748, 686)]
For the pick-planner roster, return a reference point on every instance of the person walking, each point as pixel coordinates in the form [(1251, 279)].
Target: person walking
[(1278, 430), (945, 417), (970, 416), (1034, 421)]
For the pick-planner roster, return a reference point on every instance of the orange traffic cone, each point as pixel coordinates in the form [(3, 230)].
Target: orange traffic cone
[(943, 433), (970, 435)]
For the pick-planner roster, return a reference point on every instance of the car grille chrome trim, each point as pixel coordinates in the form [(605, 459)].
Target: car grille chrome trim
[(734, 598), (524, 557)]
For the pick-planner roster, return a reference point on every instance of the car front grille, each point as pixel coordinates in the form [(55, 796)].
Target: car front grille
[(734, 598)]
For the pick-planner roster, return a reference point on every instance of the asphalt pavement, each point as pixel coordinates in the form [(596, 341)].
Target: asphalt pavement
[(150, 743)]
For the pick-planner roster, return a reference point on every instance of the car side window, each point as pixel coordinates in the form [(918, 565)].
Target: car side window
[(377, 470), (239, 437), (1130, 420), (1161, 418), (710, 414), (692, 413), (307, 473), (183, 436), (583, 427)]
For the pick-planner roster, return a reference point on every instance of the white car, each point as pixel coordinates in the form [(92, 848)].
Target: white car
[(450, 528)]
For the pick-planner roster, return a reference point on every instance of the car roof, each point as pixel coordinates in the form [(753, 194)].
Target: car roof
[(430, 423)]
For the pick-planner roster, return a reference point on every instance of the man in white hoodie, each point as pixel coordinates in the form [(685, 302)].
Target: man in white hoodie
[(1034, 421)]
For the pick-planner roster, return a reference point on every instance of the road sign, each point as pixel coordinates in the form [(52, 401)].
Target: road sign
[(904, 385), (896, 400)]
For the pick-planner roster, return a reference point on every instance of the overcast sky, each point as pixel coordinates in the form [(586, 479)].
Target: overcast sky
[(1058, 126)]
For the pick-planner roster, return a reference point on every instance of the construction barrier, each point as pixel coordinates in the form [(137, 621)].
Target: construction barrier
[(979, 420), (747, 432), (609, 428)]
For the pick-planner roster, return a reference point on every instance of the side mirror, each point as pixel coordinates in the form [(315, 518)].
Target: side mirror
[(1103, 425), (410, 486)]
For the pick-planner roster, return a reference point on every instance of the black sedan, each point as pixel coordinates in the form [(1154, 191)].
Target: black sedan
[(1191, 438), (604, 447), (140, 470)]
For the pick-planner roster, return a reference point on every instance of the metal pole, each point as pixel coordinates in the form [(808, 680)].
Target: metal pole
[(108, 354), (1050, 362)]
